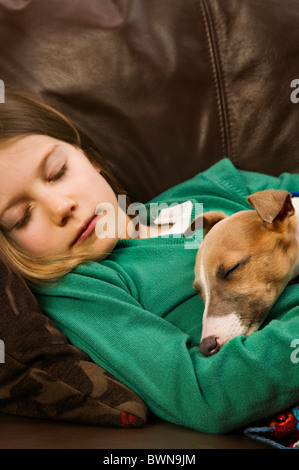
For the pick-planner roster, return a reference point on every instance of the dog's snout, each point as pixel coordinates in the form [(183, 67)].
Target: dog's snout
[(209, 346)]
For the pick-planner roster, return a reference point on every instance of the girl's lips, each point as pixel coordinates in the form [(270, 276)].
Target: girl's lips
[(86, 230)]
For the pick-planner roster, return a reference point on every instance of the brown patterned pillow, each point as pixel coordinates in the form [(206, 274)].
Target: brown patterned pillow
[(43, 376)]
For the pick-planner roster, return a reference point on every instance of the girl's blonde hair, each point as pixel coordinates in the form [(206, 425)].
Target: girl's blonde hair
[(22, 115)]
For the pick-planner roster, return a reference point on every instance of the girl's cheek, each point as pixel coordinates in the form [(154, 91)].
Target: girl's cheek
[(36, 241)]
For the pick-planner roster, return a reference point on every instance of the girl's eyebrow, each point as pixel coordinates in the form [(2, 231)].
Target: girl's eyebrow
[(41, 167)]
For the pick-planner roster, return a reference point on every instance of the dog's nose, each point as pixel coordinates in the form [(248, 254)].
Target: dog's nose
[(209, 346)]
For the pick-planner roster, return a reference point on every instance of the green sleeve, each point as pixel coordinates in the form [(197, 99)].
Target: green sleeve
[(258, 182), (248, 379), (224, 187)]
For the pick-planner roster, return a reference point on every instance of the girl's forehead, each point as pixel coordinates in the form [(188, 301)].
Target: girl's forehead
[(23, 144)]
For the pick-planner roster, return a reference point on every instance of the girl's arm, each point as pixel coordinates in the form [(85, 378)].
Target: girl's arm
[(248, 379)]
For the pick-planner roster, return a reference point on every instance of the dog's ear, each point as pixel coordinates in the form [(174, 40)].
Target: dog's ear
[(272, 204), (204, 221)]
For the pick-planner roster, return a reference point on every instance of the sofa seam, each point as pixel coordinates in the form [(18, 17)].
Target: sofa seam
[(218, 76)]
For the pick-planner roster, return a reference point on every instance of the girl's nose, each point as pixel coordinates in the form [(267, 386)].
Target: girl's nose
[(61, 209)]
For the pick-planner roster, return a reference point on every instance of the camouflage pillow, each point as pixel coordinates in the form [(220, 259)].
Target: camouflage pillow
[(43, 376)]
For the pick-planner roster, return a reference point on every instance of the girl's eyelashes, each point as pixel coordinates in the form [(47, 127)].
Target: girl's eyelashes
[(59, 174), (25, 219), (21, 223)]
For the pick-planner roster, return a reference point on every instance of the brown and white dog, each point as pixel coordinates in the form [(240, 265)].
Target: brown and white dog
[(243, 264)]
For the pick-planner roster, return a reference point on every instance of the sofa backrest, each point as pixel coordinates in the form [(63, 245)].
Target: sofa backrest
[(165, 87)]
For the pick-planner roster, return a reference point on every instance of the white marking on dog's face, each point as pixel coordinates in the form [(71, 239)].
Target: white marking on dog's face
[(223, 328), (204, 281)]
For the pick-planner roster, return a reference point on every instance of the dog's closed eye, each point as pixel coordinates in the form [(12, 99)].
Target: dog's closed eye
[(226, 273), (231, 270)]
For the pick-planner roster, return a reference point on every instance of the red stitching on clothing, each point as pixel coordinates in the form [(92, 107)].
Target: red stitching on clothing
[(132, 419), (124, 418)]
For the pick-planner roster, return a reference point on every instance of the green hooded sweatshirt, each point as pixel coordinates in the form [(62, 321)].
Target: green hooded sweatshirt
[(136, 314)]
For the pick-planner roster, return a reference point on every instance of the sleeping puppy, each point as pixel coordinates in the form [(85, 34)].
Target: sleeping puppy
[(243, 265)]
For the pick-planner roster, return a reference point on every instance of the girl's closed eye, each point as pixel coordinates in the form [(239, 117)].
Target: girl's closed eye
[(59, 174), (21, 223), (25, 219)]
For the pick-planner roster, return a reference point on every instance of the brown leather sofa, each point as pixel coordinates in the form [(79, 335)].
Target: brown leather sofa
[(165, 88)]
